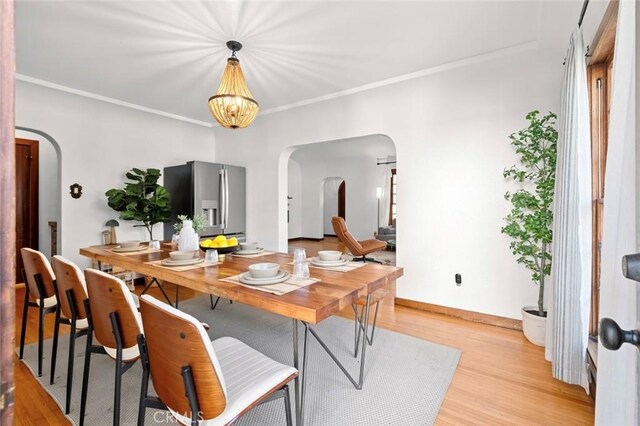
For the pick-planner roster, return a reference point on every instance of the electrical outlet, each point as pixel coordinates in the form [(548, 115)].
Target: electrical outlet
[(458, 280)]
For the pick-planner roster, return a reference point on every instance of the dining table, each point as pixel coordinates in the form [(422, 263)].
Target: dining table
[(305, 306)]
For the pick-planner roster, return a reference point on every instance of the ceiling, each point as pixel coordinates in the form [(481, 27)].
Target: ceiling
[(169, 56), (371, 147)]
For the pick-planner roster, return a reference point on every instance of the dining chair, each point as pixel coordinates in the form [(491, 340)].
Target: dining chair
[(361, 303), (115, 322), (357, 248), (202, 381), (71, 292), (39, 293)]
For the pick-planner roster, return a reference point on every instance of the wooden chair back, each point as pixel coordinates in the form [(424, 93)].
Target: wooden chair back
[(343, 234), (109, 294), (70, 277), (36, 263), (175, 340)]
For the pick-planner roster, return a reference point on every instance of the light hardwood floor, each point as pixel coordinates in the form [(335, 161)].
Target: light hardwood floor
[(501, 378)]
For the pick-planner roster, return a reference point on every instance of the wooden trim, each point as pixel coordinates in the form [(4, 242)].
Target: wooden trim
[(307, 239), (7, 210), (494, 320), (605, 38), (391, 197)]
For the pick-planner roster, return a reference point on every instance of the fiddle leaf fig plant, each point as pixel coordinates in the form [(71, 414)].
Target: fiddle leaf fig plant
[(142, 199), (529, 223)]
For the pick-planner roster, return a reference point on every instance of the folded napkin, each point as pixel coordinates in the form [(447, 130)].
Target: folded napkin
[(183, 268), (132, 253), (350, 266), (279, 289)]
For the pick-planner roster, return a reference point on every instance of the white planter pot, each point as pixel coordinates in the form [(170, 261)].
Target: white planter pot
[(533, 326)]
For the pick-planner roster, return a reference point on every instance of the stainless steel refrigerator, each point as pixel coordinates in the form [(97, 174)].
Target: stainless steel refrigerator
[(215, 190)]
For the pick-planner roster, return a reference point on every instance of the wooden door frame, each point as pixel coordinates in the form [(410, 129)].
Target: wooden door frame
[(342, 200), (33, 203), (7, 209)]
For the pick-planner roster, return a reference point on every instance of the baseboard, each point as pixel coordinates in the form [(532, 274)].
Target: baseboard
[(330, 235), (494, 320), (305, 239)]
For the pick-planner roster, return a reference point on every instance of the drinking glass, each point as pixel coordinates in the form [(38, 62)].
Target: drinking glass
[(154, 244), (211, 256), (300, 265)]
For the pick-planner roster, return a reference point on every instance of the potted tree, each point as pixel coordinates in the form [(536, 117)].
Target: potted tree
[(142, 199), (529, 223)]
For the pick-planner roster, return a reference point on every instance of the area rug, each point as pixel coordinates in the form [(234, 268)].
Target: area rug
[(405, 382)]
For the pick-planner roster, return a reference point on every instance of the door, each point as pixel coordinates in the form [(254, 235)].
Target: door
[(342, 193), (235, 197), (26, 198), (207, 189)]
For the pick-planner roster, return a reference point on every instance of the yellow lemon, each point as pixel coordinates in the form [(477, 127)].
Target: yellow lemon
[(232, 242), (219, 238), (223, 244)]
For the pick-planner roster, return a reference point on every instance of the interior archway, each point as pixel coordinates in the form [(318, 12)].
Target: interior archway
[(50, 183)]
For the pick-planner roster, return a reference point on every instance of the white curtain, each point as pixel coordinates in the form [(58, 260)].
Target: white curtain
[(569, 295), (385, 199), (617, 375)]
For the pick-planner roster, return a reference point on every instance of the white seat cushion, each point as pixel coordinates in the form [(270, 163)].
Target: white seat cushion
[(48, 302), (248, 375)]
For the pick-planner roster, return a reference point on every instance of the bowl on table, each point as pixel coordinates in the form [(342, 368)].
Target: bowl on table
[(248, 246), (129, 244), (221, 250), (264, 270), (182, 255), (330, 255)]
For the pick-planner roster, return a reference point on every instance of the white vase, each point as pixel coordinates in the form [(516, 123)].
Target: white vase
[(534, 327), (188, 240)]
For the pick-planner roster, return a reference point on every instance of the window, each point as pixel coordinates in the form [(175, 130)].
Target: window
[(600, 72)]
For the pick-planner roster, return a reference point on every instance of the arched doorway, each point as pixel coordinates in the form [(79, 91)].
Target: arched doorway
[(49, 190)]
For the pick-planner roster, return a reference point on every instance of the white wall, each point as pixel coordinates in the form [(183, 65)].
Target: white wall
[(99, 143), (295, 191), (450, 130), (48, 189)]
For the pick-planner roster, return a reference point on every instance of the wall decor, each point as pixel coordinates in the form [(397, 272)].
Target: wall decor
[(75, 190)]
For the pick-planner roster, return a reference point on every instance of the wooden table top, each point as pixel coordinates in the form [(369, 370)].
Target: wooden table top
[(313, 303)]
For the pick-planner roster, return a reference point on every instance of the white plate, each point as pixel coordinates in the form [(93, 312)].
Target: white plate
[(246, 278), (188, 262), (329, 263), (248, 252), (119, 249)]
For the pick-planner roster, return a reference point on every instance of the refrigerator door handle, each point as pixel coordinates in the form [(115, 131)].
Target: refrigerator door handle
[(223, 201)]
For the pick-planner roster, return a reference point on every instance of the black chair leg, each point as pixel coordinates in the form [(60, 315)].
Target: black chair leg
[(72, 347), (287, 405), (85, 378), (54, 349), (143, 395), (116, 392), (40, 339), (24, 320)]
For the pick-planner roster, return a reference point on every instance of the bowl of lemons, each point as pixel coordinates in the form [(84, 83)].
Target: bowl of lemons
[(221, 243)]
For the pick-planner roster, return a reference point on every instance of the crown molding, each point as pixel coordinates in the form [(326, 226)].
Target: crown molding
[(109, 100), (511, 50), (524, 47)]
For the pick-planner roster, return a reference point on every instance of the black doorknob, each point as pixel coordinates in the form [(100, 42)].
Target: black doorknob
[(612, 336)]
